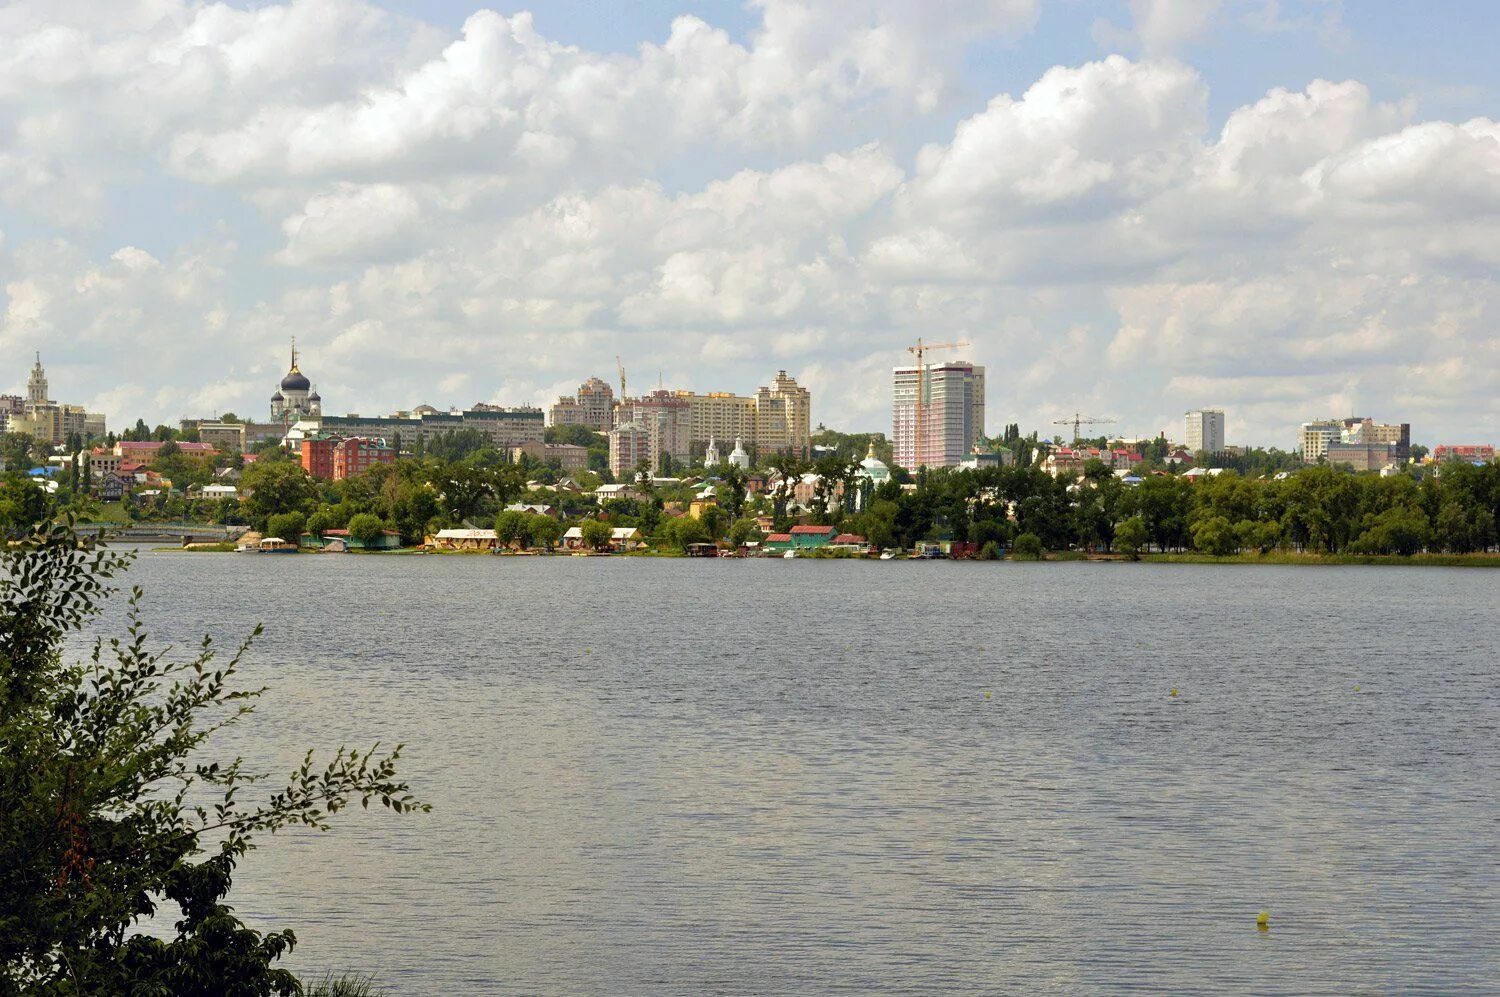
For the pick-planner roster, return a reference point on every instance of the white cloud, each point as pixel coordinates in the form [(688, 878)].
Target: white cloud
[(448, 217)]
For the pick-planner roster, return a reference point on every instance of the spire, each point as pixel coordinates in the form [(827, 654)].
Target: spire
[(294, 353)]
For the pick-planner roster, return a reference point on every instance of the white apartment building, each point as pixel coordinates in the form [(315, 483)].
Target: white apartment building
[(1205, 430), (777, 417), (1315, 437), (952, 417)]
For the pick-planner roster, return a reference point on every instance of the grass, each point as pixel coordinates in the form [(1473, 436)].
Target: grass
[(344, 986), (227, 547)]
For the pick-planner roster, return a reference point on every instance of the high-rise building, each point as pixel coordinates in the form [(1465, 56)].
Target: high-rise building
[(629, 445), (666, 419), (593, 406), (952, 418), (777, 417), (1205, 430), (783, 416), (45, 419), (36, 385)]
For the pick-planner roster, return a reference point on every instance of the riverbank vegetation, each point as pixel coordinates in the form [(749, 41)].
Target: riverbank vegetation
[(114, 807), (1450, 510)]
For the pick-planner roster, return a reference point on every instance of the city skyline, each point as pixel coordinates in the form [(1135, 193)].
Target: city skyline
[(1280, 210)]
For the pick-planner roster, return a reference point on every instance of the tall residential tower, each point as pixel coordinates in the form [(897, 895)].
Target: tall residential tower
[(1205, 430), (952, 416)]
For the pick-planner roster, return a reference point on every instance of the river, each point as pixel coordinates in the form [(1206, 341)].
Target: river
[(751, 777)]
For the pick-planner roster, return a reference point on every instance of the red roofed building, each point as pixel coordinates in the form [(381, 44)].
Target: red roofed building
[(145, 450), (806, 537)]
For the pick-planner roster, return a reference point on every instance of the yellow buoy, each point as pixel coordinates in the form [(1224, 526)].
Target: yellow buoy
[(1263, 919), (986, 694), (1173, 692)]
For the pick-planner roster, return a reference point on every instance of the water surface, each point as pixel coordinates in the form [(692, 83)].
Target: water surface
[(747, 777)]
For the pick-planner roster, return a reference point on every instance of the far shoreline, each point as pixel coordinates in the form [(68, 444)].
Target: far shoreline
[(1277, 558)]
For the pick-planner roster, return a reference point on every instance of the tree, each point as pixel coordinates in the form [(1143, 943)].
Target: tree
[(99, 761), (286, 525), (512, 528), (1215, 535), (1028, 547), (596, 534), (276, 486), (1131, 537), (684, 531), (545, 531), (742, 531), (365, 528)]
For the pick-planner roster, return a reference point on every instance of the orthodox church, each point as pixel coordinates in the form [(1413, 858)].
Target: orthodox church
[(296, 399)]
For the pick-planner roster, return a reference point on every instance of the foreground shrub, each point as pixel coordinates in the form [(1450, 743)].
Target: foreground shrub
[(109, 810)]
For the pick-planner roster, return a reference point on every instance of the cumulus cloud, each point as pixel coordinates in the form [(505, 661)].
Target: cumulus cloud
[(487, 214)]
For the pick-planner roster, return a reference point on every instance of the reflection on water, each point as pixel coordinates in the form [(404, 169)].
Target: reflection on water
[(753, 777)]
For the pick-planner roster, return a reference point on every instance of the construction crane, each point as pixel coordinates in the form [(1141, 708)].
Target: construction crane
[(619, 366), (921, 350), (1078, 421)]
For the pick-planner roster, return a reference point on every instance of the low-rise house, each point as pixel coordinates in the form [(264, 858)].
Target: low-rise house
[(777, 542), (605, 493), (387, 540), (144, 451), (218, 491), (851, 541), (622, 538), (813, 536), (463, 539)]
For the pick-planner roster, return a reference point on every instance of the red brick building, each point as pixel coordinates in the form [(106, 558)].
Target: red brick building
[(357, 455), (317, 456)]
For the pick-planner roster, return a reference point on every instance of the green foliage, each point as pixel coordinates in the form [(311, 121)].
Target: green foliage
[(110, 807), (286, 525), (365, 528), (742, 531), (989, 552), (1131, 537), (275, 487), (1215, 535), (683, 532), (513, 528), (545, 531), (343, 986), (1028, 547), (596, 534)]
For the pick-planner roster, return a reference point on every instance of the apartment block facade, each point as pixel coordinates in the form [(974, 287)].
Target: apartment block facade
[(1205, 430), (593, 406), (504, 427), (952, 413)]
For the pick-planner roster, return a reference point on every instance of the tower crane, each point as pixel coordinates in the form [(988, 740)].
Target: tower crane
[(920, 350), (621, 368), (1078, 421)]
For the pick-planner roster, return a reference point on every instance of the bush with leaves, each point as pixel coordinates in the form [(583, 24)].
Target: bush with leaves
[(109, 809), (1028, 547)]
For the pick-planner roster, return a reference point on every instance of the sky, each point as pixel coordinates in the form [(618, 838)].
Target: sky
[(1286, 209)]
